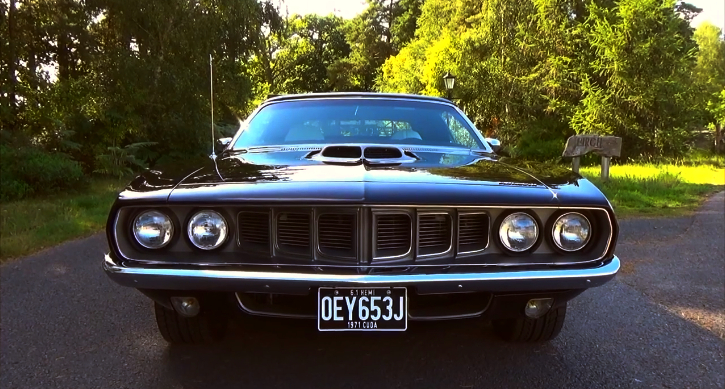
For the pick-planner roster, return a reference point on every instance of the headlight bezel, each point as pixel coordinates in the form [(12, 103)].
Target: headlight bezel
[(496, 232), (132, 229), (591, 239), (225, 217)]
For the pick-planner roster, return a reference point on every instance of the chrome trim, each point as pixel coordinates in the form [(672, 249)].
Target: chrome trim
[(374, 235), (458, 231), (448, 251), (553, 226), (237, 280), (383, 206), (269, 314)]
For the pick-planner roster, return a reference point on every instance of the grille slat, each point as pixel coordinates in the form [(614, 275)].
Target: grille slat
[(337, 234), (293, 231), (393, 236), (434, 234), (254, 229), (472, 232)]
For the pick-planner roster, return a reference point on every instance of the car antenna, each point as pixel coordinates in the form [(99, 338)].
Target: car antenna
[(211, 99)]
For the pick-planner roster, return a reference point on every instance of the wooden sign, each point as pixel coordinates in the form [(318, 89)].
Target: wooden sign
[(606, 146)]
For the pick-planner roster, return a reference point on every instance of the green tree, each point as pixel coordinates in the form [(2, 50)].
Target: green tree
[(710, 76), (535, 72), (295, 58), (378, 33), (645, 56)]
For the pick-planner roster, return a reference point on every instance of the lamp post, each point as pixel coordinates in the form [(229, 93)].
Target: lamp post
[(449, 80)]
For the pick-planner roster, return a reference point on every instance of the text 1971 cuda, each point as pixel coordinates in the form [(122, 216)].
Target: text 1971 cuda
[(363, 212)]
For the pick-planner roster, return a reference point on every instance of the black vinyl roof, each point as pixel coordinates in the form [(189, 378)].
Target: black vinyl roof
[(356, 94)]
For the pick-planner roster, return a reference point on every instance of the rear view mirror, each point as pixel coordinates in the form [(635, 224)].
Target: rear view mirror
[(494, 143), (222, 144)]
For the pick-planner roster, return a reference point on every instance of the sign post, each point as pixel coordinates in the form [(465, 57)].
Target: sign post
[(605, 146)]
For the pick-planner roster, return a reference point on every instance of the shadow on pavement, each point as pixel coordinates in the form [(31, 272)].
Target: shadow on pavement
[(263, 353)]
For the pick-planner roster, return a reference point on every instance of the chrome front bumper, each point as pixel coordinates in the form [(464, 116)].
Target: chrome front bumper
[(215, 279)]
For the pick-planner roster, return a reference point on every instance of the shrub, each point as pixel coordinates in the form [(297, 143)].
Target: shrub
[(30, 171)]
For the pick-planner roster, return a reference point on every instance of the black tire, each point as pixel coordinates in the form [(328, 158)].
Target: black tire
[(206, 327), (527, 330)]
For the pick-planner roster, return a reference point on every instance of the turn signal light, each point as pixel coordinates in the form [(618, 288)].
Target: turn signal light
[(536, 308)]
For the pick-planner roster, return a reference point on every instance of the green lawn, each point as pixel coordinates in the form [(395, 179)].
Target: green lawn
[(658, 190), (30, 225)]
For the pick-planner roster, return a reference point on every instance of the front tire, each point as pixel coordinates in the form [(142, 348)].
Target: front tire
[(528, 330), (206, 327)]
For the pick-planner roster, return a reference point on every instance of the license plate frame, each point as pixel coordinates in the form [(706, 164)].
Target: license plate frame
[(356, 292)]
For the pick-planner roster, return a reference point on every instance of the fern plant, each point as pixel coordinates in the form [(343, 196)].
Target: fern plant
[(121, 161)]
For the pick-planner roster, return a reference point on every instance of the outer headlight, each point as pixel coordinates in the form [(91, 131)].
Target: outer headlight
[(153, 229), (207, 230), (518, 232), (571, 231)]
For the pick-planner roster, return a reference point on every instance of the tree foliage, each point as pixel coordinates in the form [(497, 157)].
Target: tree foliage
[(90, 81), (535, 72)]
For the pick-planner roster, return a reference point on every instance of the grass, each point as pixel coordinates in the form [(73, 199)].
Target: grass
[(659, 189), (30, 225)]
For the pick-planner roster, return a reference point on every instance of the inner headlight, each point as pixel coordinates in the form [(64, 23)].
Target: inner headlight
[(207, 230), (153, 229), (571, 231), (518, 232)]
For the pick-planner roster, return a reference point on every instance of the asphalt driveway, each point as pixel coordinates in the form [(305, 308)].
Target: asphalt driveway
[(64, 324)]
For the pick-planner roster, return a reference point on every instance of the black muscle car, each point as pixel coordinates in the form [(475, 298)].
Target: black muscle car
[(364, 212)]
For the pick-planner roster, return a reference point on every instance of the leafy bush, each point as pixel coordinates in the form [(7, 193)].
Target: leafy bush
[(28, 171), (120, 161)]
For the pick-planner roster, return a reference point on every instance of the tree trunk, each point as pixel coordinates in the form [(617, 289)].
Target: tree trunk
[(718, 137), (12, 63)]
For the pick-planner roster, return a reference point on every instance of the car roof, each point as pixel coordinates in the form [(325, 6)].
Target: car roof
[(333, 95)]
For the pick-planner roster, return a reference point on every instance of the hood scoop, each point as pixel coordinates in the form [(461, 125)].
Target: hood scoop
[(368, 154), (382, 153), (354, 152)]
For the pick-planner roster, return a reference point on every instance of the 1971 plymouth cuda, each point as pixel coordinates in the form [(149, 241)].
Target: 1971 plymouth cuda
[(363, 212)]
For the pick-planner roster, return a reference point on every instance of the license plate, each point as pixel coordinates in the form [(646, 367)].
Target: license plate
[(362, 309)]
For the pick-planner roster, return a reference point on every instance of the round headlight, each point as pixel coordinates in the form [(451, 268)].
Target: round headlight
[(207, 230), (571, 231), (518, 232), (153, 229)]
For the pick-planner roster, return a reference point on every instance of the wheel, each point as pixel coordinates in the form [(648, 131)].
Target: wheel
[(206, 327), (529, 330)]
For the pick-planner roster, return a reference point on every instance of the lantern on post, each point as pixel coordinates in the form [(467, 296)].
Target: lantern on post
[(449, 80)]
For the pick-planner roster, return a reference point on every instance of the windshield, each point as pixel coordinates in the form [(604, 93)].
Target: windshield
[(334, 121)]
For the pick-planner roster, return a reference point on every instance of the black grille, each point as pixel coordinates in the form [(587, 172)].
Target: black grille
[(337, 234), (434, 234), (472, 232), (254, 229), (293, 232), (342, 152), (382, 152), (393, 235)]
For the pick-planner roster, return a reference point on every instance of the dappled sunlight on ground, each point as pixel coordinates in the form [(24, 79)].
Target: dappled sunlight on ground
[(712, 320)]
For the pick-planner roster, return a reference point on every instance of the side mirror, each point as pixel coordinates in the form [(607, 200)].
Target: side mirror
[(222, 144), (494, 143)]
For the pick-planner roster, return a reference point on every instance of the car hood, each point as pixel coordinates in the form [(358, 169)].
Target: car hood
[(437, 177)]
